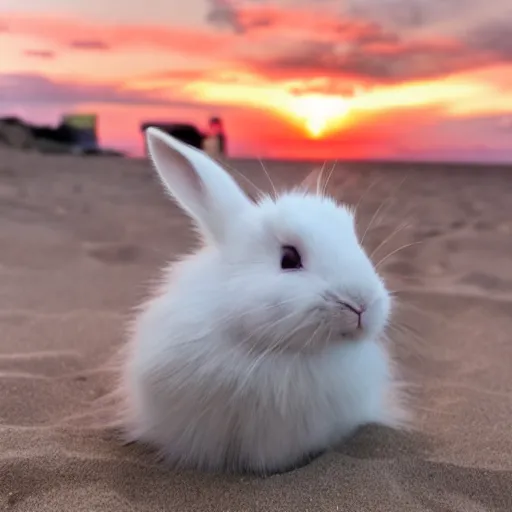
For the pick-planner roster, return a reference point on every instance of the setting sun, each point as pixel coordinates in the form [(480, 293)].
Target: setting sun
[(319, 113), (316, 114)]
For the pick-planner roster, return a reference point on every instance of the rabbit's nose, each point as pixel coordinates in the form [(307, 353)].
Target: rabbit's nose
[(355, 321)]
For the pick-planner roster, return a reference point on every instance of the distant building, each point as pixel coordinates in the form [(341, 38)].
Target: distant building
[(187, 133), (213, 142), (83, 128), (75, 133)]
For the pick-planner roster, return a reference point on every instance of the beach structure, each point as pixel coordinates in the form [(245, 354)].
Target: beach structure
[(83, 129), (212, 142), (76, 133), (187, 133)]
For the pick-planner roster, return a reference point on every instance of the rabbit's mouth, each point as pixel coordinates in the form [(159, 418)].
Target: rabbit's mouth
[(352, 336)]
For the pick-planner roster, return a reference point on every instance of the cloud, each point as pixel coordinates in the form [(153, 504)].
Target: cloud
[(272, 19), (223, 14), (40, 54), (414, 14), (493, 37), (34, 88), (396, 13), (89, 44), (63, 31), (359, 42), (356, 44), (390, 62)]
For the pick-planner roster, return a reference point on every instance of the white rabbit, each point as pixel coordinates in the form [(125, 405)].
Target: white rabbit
[(263, 348)]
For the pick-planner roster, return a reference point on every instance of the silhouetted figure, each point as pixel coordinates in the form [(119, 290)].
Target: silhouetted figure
[(217, 130), (214, 143)]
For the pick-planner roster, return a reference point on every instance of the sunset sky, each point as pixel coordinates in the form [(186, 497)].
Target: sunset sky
[(397, 79)]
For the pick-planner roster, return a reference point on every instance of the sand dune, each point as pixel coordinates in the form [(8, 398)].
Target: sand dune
[(81, 239)]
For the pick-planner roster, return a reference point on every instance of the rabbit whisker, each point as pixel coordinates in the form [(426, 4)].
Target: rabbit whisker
[(394, 252), (326, 184), (383, 203), (261, 193), (269, 178), (363, 195), (389, 237)]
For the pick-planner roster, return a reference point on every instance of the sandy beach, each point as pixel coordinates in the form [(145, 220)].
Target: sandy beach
[(82, 239)]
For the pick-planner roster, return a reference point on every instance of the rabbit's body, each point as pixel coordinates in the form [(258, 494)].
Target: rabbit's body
[(255, 354), (214, 403)]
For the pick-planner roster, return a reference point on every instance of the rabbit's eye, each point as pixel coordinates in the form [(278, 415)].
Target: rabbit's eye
[(290, 258)]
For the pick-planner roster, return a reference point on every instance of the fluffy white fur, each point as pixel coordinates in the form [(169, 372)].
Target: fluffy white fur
[(238, 365)]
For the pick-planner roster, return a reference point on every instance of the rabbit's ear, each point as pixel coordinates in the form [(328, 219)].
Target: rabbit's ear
[(312, 182), (201, 187)]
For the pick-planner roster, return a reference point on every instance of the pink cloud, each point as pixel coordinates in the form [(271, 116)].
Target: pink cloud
[(67, 31), (35, 88)]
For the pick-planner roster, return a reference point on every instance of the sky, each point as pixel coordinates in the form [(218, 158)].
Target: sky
[(296, 79)]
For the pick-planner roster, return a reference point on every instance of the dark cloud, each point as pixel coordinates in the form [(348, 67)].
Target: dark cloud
[(360, 42), (40, 54), (387, 13), (408, 14), (89, 44), (374, 61), (494, 37), (223, 13)]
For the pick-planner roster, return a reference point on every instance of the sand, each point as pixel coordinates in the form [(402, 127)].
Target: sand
[(81, 240)]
